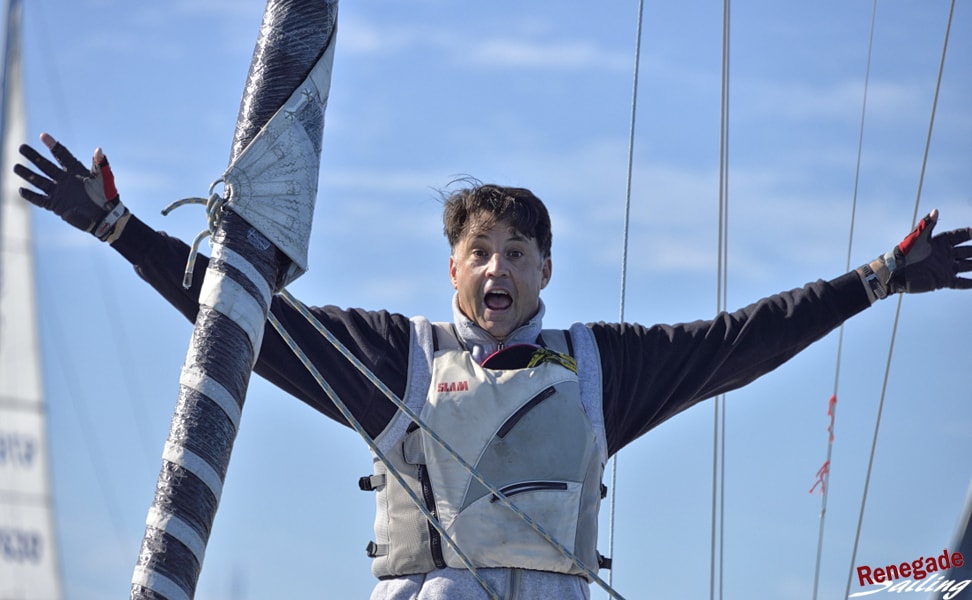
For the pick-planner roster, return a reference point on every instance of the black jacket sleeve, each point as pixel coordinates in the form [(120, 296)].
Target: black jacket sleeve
[(652, 373), (378, 338)]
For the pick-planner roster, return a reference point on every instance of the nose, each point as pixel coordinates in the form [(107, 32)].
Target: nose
[(497, 266)]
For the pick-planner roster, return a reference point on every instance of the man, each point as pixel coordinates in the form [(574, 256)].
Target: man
[(539, 410)]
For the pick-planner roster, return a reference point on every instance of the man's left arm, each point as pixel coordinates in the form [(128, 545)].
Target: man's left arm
[(652, 373)]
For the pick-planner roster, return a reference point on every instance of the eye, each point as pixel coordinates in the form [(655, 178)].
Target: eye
[(478, 253), (515, 253)]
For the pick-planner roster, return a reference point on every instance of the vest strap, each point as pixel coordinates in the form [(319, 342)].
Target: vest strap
[(375, 550), (370, 483)]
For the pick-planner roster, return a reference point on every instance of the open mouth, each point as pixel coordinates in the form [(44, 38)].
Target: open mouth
[(498, 300)]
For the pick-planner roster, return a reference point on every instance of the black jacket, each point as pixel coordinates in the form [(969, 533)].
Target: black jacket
[(649, 373)]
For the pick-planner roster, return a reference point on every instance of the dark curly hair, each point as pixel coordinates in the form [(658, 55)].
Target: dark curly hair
[(486, 204)]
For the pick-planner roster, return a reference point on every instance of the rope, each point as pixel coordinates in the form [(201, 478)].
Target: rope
[(624, 260), (214, 213), (897, 314), (329, 391), (719, 425), (380, 385), (824, 474)]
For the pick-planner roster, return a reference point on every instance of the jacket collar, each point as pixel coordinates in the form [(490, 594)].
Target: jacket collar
[(481, 343)]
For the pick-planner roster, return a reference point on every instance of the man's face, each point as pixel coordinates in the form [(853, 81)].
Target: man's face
[(498, 273)]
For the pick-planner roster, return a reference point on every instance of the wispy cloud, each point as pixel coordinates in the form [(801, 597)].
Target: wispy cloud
[(812, 101), (532, 50), (553, 54)]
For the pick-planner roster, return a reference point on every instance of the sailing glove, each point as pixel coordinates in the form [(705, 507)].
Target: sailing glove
[(921, 262), (85, 198)]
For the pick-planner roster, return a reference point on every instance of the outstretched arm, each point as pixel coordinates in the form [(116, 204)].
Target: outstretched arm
[(88, 200), (652, 373)]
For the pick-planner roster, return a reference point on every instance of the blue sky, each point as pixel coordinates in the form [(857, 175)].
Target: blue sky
[(534, 94)]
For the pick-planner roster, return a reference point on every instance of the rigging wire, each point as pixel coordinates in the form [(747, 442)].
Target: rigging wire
[(356, 425), (832, 405), (897, 314), (90, 437), (384, 389), (719, 421), (120, 336), (624, 260)]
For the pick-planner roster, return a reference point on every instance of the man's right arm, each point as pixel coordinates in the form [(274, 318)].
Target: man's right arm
[(88, 200)]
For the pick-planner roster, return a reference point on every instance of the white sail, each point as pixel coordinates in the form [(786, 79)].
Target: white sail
[(28, 554)]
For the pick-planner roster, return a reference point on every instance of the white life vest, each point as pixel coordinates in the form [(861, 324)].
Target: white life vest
[(525, 430)]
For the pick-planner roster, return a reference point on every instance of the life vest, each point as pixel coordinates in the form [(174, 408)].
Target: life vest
[(526, 431)]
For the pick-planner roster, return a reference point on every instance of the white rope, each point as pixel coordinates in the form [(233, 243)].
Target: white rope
[(500, 496), (329, 391)]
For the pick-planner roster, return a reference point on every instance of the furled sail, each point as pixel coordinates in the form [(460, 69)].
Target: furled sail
[(28, 554), (256, 251)]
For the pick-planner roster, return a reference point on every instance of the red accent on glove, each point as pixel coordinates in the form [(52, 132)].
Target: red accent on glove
[(108, 179), (912, 237)]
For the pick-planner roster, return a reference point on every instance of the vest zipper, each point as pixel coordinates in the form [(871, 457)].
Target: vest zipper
[(531, 486), (435, 540), (523, 410)]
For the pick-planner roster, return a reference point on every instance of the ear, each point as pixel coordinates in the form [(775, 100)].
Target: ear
[(546, 272), (452, 272)]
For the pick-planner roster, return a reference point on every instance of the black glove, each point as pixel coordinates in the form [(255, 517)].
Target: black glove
[(84, 198), (922, 262)]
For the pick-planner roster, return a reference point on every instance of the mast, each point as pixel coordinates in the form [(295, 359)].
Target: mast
[(28, 552), (259, 245)]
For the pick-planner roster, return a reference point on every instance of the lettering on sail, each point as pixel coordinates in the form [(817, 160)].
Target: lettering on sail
[(20, 545), (17, 450)]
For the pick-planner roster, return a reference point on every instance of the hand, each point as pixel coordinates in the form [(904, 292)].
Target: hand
[(84, 198), (922, 262)]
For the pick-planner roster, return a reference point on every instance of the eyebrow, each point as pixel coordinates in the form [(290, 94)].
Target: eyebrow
[(515, 236)]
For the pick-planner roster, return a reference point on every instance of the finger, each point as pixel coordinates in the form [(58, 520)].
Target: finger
[(107, 177), (35, 198), (68, 161), (922, 230), (956, 236), (928, 223), (961, 283), (38, 181), (963, 264), (63, 156), (50, 169)]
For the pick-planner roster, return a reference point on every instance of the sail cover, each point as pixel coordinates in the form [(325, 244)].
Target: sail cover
[(28, 557)]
